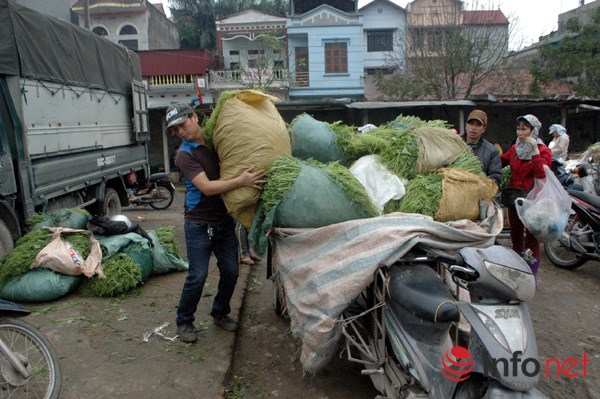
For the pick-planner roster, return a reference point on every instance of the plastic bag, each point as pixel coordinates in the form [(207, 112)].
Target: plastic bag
[(61, 257), (381, 184), (545, 211)]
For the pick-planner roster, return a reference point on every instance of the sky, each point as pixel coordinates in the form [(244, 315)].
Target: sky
[(531, 18)]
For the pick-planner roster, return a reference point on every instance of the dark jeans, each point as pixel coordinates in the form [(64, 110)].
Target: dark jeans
[(199, 248)]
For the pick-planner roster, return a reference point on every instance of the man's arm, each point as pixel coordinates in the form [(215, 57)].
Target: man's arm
[(248, 178)]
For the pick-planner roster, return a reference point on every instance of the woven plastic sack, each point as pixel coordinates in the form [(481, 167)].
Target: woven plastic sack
[(68, 218), (315, 200), (314, 139), (249, 133), (39, 285), (462, 192), (545, 211), (141, 255), (437, 148), (163, 261)]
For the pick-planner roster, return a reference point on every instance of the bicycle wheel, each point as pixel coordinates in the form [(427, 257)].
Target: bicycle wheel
[(36, 354)]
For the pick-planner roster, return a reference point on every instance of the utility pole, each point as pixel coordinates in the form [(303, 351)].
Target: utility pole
[(86, 12)]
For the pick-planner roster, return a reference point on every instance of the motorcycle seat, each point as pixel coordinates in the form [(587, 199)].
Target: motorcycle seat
[(419, 289), (587, 197), (157, 176)]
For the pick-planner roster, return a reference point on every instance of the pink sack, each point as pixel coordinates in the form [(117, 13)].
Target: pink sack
[(61, 257)]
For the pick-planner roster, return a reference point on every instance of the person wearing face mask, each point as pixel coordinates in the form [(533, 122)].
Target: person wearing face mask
[(488, 154), (560, 142), (526, 158)]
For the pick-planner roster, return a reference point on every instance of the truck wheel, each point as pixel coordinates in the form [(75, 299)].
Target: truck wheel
[(111, 205), (6, 241)]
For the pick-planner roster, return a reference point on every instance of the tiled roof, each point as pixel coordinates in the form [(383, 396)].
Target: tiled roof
[(490, 17), (175, 62)]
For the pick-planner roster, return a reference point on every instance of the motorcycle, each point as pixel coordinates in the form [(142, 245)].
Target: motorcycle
[(29, 365), (418, 337), (435, 325), (158, 192), (580, 241)]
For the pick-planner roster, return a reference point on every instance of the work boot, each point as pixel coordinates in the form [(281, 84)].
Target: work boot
[(226, 323), (187, 333)]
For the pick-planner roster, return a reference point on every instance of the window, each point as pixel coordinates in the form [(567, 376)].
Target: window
[(252, 63), (278, 64), (100, 31), (418, 38), (434, 40), (234, 65), (256, 52), (336, 57), (234, 52), (128, 30), (130, 44), (380, 40)]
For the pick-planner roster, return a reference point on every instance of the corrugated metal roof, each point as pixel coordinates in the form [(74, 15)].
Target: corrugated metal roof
[(175, 62), (409, 104)]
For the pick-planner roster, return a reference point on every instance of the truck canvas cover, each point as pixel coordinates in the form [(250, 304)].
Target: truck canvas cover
[(28, 40)]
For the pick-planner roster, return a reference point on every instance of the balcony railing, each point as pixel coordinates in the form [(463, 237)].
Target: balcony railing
[(250, 77)]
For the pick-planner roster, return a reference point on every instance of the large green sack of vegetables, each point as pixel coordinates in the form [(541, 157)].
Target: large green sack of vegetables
[(132, 244), (307, 195), (39, 285), (246, 131), (70, 218), (314, 139), (164, 258), (448, 194)]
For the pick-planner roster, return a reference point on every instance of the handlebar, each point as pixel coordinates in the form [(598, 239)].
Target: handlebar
[(456, 264)]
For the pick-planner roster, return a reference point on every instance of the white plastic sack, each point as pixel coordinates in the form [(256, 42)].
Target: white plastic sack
[(381, 184), (545, 211)]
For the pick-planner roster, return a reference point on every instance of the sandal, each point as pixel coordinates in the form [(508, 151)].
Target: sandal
[(247, 261), (255, 257)]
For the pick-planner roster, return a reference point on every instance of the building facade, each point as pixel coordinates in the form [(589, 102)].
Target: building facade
[(136, 24), (252, 53), (326, 50)]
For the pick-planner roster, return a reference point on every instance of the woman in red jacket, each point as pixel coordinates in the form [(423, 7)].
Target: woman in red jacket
[(526, 158)]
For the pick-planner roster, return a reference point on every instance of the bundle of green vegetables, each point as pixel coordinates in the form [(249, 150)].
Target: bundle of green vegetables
[(121, 276)]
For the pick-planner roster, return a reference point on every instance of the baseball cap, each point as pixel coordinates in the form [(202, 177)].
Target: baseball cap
[(176, 114), (478, 115)]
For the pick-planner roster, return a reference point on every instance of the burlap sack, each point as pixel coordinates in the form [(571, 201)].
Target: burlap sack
[(249, 133), (462, 192), (437, 148)]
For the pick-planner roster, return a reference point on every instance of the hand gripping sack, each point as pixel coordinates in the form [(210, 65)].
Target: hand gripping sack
[(545, 211)]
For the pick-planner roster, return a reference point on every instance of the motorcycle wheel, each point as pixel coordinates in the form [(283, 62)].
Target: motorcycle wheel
[(161, 197), (37, 355), (560, 254)]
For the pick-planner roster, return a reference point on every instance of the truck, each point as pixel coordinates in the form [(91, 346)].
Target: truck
[(73, 120)]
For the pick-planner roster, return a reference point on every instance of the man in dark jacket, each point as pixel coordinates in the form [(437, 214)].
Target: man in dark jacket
[(488, 154)]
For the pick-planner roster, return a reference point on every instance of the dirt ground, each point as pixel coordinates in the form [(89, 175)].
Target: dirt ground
[(103, 354)]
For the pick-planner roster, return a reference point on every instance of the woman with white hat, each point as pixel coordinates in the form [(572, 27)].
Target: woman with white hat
[(526, 158), (560, 143)]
